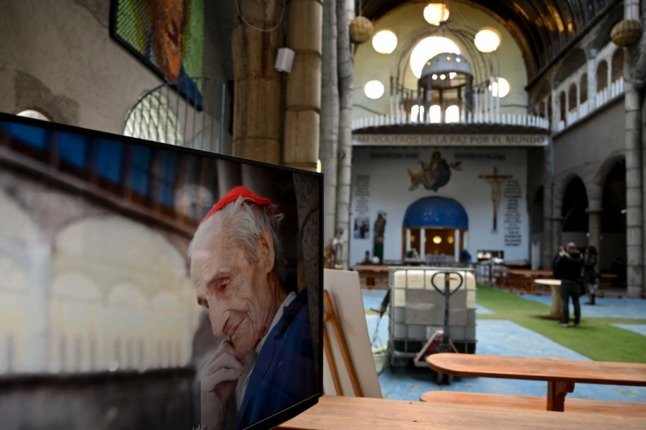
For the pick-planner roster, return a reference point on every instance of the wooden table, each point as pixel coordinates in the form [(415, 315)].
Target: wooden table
[(555, 285), (361, 413), (372, 275), (526, 278), (561, 375)]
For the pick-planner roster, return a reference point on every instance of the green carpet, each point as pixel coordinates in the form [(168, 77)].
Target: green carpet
[(596, 338)]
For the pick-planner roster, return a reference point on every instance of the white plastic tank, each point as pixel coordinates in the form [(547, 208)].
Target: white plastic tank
[(422, 278)]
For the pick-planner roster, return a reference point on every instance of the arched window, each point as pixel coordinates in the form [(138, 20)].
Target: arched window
[(572, 99), (562, 105), (452, 114), (602, 76), (35, 114), (540, 109), (583, 88), (617, 71), (428, 48), (435, 114), (415, 112), (153, 119), (574, 205)]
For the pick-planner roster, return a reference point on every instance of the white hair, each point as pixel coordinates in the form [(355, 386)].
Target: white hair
[(245, 222)]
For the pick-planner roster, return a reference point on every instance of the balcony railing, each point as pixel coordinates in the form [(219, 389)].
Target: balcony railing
[(585, 109), (524, 120)]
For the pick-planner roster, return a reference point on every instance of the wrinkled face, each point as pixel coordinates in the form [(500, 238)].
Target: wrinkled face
[(236, 293)]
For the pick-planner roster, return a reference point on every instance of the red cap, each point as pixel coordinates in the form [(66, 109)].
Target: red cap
[(233, 195)]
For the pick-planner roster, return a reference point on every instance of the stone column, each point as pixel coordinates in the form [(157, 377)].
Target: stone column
[(257, 114), (594, 215), (556, 110), (548, 245), (39, 328), (422, 242), (557, 223), (634, 204), (456, 245), (303, 100), (592, 79), (594, 228)]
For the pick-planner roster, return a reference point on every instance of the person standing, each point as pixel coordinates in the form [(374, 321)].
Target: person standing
[(567, 267), (590, 274)]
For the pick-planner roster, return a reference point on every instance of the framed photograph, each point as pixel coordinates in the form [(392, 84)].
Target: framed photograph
[(165, 35), (135, 270)]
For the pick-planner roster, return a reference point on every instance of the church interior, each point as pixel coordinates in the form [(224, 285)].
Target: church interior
[(449, 133)]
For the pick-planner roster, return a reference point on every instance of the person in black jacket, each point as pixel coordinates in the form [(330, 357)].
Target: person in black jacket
[(567, 267)]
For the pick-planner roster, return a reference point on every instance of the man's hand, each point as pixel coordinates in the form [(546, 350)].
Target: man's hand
[(221, 374)]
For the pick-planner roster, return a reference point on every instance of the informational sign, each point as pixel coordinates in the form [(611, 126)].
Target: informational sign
[(512, 217), (507, 140)]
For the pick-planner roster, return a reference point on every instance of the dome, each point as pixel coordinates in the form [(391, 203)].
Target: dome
[(446, 62), (436, 212)]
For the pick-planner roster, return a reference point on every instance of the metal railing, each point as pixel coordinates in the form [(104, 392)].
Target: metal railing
[(192, 114), (525, 120)]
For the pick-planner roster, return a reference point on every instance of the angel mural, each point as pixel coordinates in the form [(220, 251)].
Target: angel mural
[(434, 175)]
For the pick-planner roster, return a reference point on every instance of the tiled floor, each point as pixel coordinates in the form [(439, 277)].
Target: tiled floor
[(505, 338)]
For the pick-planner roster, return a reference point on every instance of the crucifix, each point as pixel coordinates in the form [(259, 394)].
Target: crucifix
[(496, 181)]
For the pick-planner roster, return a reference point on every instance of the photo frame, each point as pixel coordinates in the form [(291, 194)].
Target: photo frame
[(167, 37)]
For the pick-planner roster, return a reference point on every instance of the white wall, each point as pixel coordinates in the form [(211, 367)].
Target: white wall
[(381, 182)]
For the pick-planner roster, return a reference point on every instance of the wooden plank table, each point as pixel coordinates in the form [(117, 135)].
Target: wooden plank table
[(527, 277), (561, 375), (555, 285), (362, 413)]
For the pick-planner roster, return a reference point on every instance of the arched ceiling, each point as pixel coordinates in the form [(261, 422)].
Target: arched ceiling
[(542, 28)]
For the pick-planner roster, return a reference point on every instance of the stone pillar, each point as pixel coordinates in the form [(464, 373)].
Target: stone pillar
[(557, 223), (592, 79), (329, 118), (556, 110), (594, 228), (548, 245), (303, 100), (634, 204), (257, 111), (456, 245), (39, 328), (422, 242), (595, 193)]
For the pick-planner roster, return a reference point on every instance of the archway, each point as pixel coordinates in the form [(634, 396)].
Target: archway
[(574, 224), (612, 255), (435, 229)]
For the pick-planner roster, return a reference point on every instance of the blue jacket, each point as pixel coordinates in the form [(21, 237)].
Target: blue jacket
[(285, 370)]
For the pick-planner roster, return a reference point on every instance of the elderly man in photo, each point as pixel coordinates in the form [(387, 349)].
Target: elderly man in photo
[(264, 360)]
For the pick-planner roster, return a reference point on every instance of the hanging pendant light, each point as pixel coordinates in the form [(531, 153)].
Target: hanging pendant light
[(361, 29), (436, 13)]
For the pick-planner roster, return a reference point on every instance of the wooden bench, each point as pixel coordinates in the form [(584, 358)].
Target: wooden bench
[(533, 402)]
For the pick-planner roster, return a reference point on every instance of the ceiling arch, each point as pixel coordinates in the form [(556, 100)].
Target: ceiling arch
[(543, 28)]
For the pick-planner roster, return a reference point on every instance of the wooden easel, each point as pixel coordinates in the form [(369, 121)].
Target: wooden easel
[(330, 316)]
